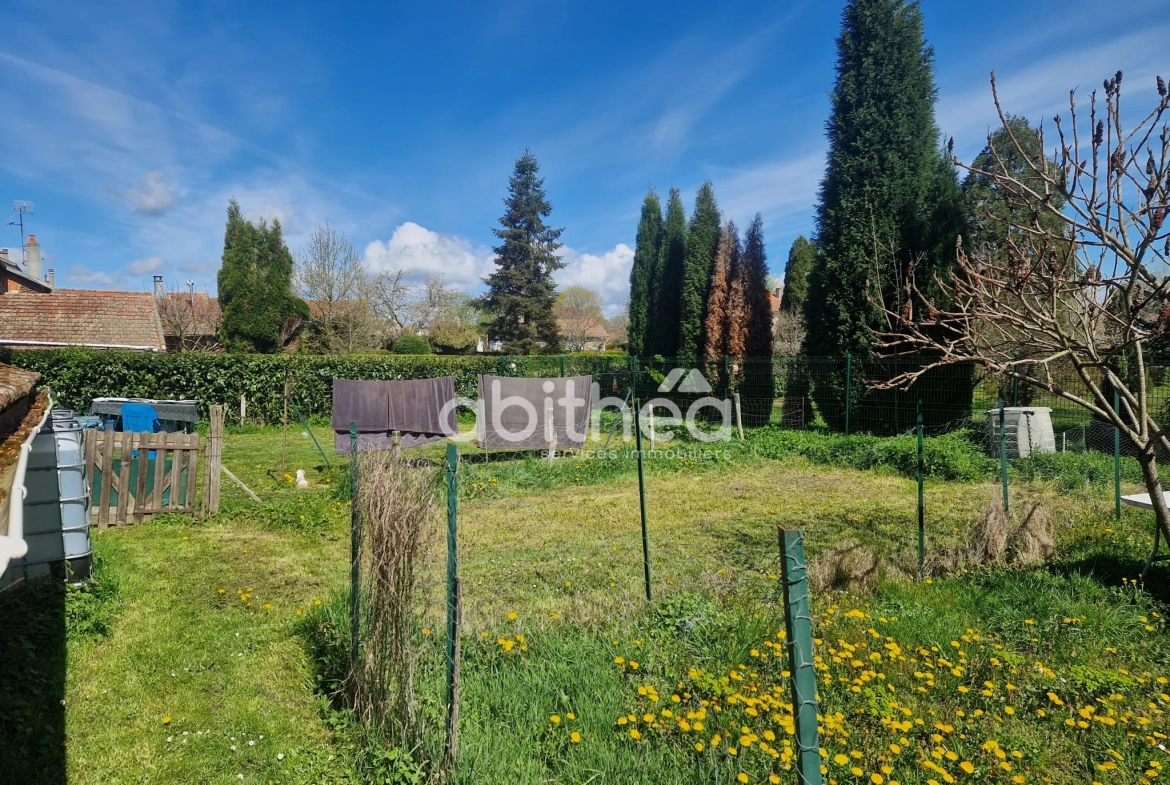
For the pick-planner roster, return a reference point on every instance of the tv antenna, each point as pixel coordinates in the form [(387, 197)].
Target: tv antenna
[(21, 208)]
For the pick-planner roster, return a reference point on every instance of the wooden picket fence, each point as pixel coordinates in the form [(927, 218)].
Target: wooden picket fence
[(137, 475)]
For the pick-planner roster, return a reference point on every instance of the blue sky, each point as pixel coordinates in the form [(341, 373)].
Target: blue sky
[(130, 125)]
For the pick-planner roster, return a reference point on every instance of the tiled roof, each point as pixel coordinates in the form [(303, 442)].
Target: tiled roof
[(202, 320), (81, 317), (594, 331)]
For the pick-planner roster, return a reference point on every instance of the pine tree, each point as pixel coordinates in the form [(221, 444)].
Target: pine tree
[(666, 293), (521, 292), (754, 267), (720, 319), (801, 258), (647, 251), (883, 159), (702, 240), (255, 286)]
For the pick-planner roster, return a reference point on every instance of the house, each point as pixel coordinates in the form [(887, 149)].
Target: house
[(583, 335), (81, 317), (13, 279), (775, 297)]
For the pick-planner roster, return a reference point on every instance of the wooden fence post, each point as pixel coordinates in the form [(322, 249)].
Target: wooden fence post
[(214, 463), (243, 407)]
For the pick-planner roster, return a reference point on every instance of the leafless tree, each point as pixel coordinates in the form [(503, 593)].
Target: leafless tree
[(333, 280), (190, 320), (1086, 293), (618, 326), (787, 333), (580, 317)]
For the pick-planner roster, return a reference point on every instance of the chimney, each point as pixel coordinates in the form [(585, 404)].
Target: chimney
[(52, 279), (3, 255), (158, 287), (32, 258)]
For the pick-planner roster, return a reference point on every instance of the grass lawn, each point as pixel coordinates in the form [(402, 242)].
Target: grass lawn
[(201, 636)]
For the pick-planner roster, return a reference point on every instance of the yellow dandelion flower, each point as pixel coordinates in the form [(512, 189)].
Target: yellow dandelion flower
[(967, 767), (575, 737)]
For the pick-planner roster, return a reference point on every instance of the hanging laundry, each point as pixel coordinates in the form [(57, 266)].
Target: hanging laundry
[(524, 414), (420, 410)]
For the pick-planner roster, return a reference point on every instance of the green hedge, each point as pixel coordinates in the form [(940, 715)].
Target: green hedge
[(77, 376)]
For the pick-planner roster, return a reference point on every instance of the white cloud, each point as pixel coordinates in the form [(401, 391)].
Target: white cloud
[(418, 252), (79, 276), (607, 274), (151, 195), (148, 266)]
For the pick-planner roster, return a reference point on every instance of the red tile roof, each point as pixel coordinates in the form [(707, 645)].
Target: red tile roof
[(81, 317), (202, 320)]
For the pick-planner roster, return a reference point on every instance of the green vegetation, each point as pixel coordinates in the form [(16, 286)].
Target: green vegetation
[(647, 252), (666, 293), (521, 292), (255, 286), (702, 241), (551, 564), (802, 256), (412, 344)]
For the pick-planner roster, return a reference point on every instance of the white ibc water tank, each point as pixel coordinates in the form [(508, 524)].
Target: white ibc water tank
[(56, 507), (1027, 430)]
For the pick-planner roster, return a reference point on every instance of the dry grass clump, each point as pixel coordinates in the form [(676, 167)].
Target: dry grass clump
[(397, 506), (1027, 536), (849, 567)]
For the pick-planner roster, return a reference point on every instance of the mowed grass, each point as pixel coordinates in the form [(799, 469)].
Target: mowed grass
[(561, 549)]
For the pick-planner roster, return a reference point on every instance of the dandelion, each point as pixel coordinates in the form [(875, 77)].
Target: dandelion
[(166, 720), (967, 767), (575, 737), (512, 616)]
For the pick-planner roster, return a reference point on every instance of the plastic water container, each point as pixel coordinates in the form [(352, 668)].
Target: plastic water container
[(1027, 431), (56, 507)]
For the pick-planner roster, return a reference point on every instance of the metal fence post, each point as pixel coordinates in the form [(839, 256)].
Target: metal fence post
[(798, 626), (848, 389), (1116, 458), (726, 376), (1003, 454), (453, 603), (562, 366), (355, 542), (642, 497), (921, 501)]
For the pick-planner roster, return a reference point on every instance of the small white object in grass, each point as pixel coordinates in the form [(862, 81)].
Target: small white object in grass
[(304, 434), (280, 756), (252, 743), (301, 481), (233, 748)]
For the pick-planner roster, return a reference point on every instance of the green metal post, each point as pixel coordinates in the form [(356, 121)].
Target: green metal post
[(848, 389), (452, 563), (642, 497), (921, 501), (1003, 454), (798, 626), (503, 366), (1117, 459), (355, 542), (726, 376), (562, 366), (633, 376), (1015, 391)]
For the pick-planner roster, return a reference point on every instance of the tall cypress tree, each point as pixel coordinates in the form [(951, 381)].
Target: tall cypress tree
[(666, 292), (757, 389), (255, 286), (647, 250), (754, 267), (721, 319), (521, 292), (702, 241), (886, 199), (802, 256), (882, 159)]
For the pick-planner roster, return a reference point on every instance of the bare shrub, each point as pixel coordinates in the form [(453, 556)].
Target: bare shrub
[(850, 567), (397, 508), (1027, 536)]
